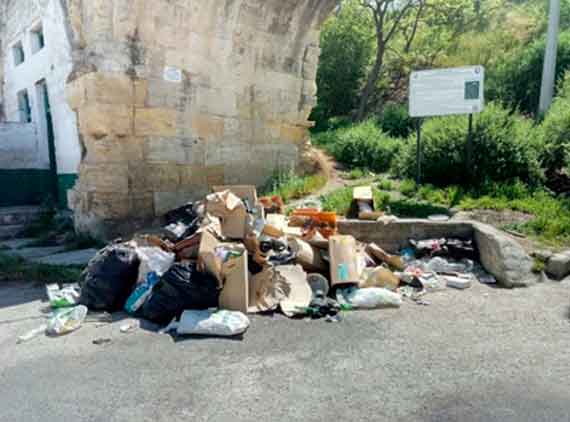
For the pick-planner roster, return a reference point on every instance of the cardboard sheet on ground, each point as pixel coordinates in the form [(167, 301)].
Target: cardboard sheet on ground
[(285, 285)]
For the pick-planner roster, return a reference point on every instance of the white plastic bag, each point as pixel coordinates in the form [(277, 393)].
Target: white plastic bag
[(66, 320), (210, 323), (368, 298), (64, 297), (153, 259)]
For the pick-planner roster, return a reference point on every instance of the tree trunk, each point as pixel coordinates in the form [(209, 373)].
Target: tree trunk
[(371, 82)]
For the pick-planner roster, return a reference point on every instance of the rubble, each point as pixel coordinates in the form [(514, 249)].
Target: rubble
[(233, 254)]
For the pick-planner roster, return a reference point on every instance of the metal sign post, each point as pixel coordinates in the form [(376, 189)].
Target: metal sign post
[(419, 151), (469, 160)]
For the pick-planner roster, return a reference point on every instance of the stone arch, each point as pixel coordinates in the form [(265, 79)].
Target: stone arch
[(173, 96)]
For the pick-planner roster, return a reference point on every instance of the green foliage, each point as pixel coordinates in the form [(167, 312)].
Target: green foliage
[(346, 50), (356, 174), (555, 130), (17, 269), (363, 145), (396, 122), (504, 146), (516, 79), (288, 185), (338, 201), (385, 184)]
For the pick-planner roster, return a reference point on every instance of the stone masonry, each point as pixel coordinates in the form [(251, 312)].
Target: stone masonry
[(174, 96)]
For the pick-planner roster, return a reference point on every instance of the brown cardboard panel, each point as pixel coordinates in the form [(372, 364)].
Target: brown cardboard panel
[(235, 294), (343, 260)]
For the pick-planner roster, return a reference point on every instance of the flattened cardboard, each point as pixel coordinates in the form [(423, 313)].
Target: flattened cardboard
[(343, 260), (234, 225), (207, 256), (235, 294)]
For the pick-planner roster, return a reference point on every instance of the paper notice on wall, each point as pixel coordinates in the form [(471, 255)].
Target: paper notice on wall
[(172, 74), (442, 92)]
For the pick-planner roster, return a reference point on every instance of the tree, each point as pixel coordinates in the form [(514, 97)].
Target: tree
[(388, 16), (347, 48)]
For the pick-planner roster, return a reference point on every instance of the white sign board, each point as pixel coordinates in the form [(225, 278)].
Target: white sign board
[(442, 92), (172, 74)]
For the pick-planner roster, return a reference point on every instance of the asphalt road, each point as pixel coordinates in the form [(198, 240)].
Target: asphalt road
[(480, 355)]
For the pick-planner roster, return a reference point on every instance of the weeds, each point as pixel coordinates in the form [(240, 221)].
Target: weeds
[(13, 268), (290, 186)]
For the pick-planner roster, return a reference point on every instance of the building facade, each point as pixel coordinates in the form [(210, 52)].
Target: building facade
[(39, 139), (157, 100)]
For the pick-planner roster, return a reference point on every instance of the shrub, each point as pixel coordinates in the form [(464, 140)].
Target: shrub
[(555, 130), (516, 80), (504, 149), (396, 122), (363, 145)]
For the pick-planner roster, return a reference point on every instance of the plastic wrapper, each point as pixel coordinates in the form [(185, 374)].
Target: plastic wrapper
[(66, 320), (210, 323)]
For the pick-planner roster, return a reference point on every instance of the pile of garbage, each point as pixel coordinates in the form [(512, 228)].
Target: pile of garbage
[(216, 261)]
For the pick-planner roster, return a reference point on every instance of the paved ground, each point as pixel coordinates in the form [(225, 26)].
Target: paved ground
[(479, 355)]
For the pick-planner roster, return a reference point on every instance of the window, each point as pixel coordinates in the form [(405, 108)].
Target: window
[(18, 51), (37, 38), (24, 107)]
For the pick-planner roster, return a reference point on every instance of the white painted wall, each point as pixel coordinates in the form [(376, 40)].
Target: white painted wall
[(18, 146), (53, 63)]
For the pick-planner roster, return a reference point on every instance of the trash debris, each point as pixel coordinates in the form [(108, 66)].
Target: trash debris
[(32, 334), (182, 288), (129, 327), (210, 323), (109, 278), (343, 260), (379, 277), (368, 298), (63, 297), (141, 293), (231, 254), (66, 320), (101, 341)]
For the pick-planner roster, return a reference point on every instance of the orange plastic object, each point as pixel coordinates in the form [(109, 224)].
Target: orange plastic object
[(323, 222)]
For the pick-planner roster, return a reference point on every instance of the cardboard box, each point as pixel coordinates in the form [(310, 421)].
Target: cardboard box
[(232, 276), (244, 192), (308, 256), (231, 210), (343, 260)]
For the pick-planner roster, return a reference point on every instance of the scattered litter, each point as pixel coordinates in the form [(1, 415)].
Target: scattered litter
[(231, 254), (210, 323), (63, 297), (32, 334), (129, 327), (66, 320), (368, 298)]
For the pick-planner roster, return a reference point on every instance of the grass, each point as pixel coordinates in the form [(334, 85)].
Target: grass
[(290, 186), (14, 268), (355, 174), (340, 200), (551, 222)]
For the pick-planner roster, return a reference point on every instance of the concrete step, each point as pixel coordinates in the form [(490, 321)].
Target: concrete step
[(81, 258), (8, 232), (10, 216)]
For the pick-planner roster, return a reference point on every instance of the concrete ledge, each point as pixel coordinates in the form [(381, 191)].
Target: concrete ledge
[(395, 235), (501, 255)]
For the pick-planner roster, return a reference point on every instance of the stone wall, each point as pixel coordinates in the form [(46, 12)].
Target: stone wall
[(174, 96)]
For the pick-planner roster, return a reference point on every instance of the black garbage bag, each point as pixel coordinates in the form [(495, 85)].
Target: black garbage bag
[(109, 278), (181, 288), (459, 249), (185, 214)]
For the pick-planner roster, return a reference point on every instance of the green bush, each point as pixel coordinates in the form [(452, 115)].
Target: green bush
[(363, 145), (505, 148), (555, 130), (396, 122), (515, 80)]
